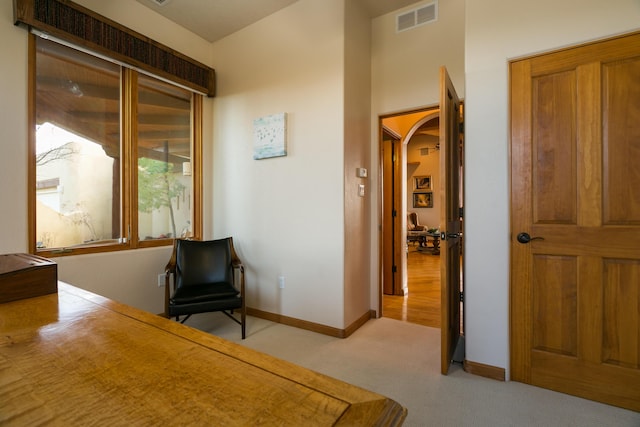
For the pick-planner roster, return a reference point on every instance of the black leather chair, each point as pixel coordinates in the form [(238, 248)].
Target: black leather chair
[(207, 276)]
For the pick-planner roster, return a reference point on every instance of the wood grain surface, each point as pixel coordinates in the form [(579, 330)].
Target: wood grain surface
[(75, 358)]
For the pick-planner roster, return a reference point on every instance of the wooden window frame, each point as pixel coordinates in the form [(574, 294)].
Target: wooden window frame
[(128, 205)]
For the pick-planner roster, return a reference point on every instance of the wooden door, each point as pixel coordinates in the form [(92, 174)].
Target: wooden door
[(450, 219), (575, 221), (391, 192)]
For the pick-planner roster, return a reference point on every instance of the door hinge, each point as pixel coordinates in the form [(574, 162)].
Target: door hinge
[(461, 127), (461, 296), (461, 212), (394, 213), (394, 269)]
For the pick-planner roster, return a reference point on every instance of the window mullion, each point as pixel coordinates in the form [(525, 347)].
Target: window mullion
[(130, 156), (196, 149)]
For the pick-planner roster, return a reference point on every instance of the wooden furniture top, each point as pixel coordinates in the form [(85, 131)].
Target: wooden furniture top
[(74, 358)]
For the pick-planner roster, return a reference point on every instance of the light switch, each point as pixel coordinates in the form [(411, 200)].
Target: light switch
[(361, 190)]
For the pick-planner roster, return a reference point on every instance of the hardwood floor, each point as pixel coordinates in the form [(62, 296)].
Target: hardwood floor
[(422, 304)]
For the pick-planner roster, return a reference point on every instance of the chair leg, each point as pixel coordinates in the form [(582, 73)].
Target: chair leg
[(240, 322), (243, 324)]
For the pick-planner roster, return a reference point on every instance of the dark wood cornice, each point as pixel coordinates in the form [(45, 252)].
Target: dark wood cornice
[(84, 28)]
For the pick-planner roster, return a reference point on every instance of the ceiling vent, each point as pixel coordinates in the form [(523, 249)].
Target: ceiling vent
[(416, 17), (161, 2)]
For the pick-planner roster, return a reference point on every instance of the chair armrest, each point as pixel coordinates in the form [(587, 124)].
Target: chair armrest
[(169, 269), (236, 264), (167, 292)]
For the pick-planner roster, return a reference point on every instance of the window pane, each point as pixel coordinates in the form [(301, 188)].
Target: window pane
[(164, 160), (77, 148)]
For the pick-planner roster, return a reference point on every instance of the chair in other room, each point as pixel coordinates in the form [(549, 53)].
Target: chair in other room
[(415, 231), (207, 276)]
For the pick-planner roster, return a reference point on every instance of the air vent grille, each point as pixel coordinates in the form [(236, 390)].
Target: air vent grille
[(406, 21), (161, 2), (426, 14), (416, 17)]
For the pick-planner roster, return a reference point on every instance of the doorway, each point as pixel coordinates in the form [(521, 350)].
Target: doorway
[(411, 178)]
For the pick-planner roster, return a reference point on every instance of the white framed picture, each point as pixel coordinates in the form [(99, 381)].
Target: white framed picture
[(270, 136)]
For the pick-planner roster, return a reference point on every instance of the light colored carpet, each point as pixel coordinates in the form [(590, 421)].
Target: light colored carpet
[(402, 361)]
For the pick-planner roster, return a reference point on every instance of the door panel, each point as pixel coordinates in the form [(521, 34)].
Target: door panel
[(391, 197), (554, 301), (450, 221), (387, 218), (621, 135), (620, 331), (575, 286), (554, 171)]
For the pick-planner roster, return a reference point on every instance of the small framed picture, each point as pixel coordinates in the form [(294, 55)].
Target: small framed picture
[(270, 136), (423, 199), (422, 182)]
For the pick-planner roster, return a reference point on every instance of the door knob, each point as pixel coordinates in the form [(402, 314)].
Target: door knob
[(445, 236), (526, 238)]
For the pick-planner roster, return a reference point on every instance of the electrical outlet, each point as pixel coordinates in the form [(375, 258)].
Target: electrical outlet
[(281, 282), (160, 280)]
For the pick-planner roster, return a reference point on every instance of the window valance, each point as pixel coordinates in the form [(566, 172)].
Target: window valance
[(73, 23)]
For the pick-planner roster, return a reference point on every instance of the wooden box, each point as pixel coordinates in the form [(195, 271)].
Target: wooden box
[(26, 276)]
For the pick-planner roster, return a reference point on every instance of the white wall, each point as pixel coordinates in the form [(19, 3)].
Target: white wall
[(405, 65), (286, 214), (13, 134), (497, 31), (127, 276), (357, 218)]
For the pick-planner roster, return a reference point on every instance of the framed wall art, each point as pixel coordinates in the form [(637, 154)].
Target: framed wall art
[(422, 182), (423, 199), (270, 136)]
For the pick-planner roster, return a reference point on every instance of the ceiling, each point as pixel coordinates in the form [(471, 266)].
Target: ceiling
[(215, 19)]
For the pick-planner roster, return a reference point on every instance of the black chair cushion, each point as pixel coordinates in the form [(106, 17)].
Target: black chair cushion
[(205, 306), (203, 292)]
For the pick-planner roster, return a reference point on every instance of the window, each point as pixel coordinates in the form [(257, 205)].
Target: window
[(164, 160), (113, 155)]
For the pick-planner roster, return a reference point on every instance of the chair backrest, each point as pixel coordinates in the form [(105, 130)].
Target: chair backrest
[(412, 221), (199, 262)]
